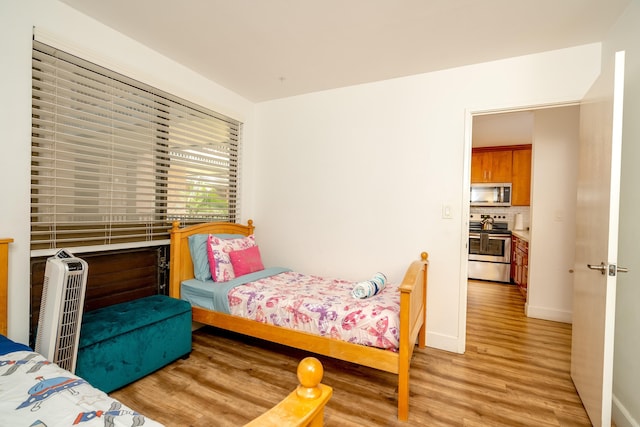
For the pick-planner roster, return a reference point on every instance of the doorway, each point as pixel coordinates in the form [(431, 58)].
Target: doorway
[(549, 220)]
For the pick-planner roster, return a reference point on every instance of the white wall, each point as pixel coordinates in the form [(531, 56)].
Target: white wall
[(352, 181), (344, 182), (553, 210), (626, 373), (83, 36)]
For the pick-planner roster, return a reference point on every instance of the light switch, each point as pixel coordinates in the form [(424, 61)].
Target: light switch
[(446, 212)]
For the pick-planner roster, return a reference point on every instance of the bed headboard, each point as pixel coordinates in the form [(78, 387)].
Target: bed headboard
[(4, 284), (180, 263)]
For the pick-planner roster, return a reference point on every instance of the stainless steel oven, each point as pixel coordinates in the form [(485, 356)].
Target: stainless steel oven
[(490, 253), (490, 247)]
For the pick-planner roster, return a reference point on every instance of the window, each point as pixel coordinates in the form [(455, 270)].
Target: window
[(116, 161)]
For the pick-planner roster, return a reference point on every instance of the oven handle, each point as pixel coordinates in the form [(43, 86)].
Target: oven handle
[(473, 235)]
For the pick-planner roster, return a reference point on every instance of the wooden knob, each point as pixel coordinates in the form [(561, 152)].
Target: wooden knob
[(310, 374)]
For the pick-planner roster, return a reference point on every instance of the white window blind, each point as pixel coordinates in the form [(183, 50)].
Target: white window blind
[(115, 160)]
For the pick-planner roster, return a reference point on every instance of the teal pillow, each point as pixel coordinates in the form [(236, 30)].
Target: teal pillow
[(199, 255)]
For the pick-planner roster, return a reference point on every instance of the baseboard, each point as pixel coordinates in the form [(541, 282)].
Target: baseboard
[(196, 325), (443, 342), (548, 314), (621, 416)]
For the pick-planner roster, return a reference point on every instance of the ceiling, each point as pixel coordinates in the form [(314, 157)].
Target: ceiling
[(514, 128), (269, 49)]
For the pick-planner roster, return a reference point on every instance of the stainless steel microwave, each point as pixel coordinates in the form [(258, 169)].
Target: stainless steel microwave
[(491, 194)]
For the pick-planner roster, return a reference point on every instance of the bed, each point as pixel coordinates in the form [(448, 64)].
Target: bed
[(36, 392), (411, 312)]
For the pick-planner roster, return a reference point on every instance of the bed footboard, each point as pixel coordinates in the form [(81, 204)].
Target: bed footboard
[(413, 312), (304, 407), (4, 284)]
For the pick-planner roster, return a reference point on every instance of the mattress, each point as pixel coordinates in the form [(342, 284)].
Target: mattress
[(308, 303)]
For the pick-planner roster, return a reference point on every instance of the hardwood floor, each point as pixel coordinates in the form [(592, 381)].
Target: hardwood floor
[(515, 372)]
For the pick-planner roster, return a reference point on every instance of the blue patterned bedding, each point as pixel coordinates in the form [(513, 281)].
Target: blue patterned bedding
[(8, 346), (36, 392)]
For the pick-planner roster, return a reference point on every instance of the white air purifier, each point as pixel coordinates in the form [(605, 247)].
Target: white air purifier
[(58, 335)]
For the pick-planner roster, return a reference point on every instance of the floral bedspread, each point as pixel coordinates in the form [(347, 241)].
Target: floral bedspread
[(321, 306)]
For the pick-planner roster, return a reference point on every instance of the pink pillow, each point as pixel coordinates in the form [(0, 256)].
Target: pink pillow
[(218, 252), (246, 261)]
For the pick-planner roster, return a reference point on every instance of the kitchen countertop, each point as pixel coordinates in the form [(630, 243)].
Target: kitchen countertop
[(521, 234)]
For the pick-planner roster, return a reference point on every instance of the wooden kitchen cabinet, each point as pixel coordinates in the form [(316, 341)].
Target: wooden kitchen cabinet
[(521, 177), (505, 164), (490, 165), (478, 168), (512, 271), (520, 263)]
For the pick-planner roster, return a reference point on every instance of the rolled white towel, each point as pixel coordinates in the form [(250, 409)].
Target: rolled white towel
[(369, 288)]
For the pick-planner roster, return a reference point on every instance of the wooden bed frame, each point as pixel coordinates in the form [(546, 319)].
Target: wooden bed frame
[(4, 285), (303, 407), (413, 293)]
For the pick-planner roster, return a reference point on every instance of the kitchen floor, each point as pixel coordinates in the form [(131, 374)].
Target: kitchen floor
[(527, 359)]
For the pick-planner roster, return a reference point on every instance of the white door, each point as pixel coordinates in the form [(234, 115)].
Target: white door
[(597, 241)]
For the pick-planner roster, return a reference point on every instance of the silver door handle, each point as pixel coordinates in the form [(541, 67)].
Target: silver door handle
[(611, 268), (602, 267)]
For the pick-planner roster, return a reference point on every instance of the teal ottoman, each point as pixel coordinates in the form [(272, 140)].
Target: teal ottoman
[(124, 342)]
